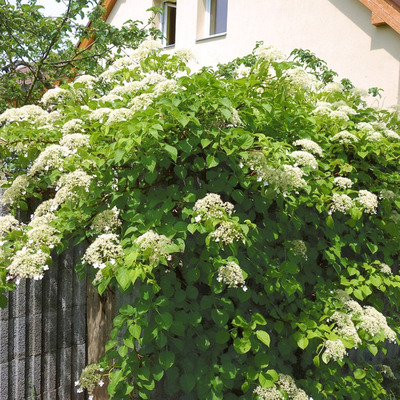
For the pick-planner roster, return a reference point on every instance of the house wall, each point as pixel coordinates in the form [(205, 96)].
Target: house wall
[(338, 31)]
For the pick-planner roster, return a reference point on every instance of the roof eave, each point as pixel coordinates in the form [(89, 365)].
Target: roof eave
[(384, 12)]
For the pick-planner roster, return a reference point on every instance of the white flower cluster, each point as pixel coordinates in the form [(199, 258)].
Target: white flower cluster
[(333, 87), (105, 248), (343, 183), (299, 248), (100, 114), (341, 203), (368, 201), (72, 126), (286, 179), (119, 114), (358, 92), (242, 71), (16, 190), (271, 393), (211, 206), (269, 53), (300, 78), (74, 141), (288, 385), (146, 48), (353, 307), (226, 233), (385, 369), (185, 55), (235, 118), (338, 111), (390, 134), (344, 137), (42, 233), (91, 377), (141, 102), (232, 275), (167, 86), (7, 224), (364, 127), (304, 159), (309, 145), (68, 182), (87, 80), (52, 96), (106, 221), (27, 263), (129, 88), (373, 322), (52, 157), (154, 245), (335, 350), (385, 269), (109, 98), (345, 327), (46, 207), (25, 113)]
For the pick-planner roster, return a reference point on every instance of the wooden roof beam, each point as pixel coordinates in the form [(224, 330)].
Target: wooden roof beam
[(384, 12)]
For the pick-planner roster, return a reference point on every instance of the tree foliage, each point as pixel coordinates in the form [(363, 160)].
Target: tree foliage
[(253, 215), (38, 52)]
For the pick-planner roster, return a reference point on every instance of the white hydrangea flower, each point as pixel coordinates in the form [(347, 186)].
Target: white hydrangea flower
[(300, 78), (291, 178), (154, 244), (25, 113), (167, 86), (27, 263), (100, 114), (53, 96), (16, 190), (344, 137), (72, 126), (347, 110), (374, 322), (211, 206), (343, 183), (287, 383), (333, 87), (309, 145), (45, 208), (120, 114), (339, 115), (335, 350), (52, 157), (373, 136), (68, 182), (385, 269), (269, 53), (141, 102), (390, 134), (271, 393), (388, 195), (232, 275), (242, 71), (7, 224), (106, 221), (341, 203), (226, 233), (110, 98), (345, 327), (358, 92), (185, 55), (299, 248), (105, 248), (322, 111), (87, 80), (128, 88), (42, 234), (364, 127), (74, 141), (368, 201), (353, 307), (304, 159)]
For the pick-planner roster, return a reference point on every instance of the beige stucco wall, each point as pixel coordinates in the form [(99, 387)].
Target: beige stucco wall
[(338, 31)]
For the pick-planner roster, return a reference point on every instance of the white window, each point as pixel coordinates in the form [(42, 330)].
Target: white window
[(212, 18), (216, 16), (169, 23)]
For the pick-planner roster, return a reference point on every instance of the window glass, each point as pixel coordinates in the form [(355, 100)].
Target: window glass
[(169, 23), (218, 16)]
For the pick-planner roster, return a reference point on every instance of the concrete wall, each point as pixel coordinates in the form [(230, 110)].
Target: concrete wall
[(43, 335), (338, 31)]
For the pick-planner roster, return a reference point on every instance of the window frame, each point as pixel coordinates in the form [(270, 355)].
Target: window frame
[(209, 17), (165, 22)]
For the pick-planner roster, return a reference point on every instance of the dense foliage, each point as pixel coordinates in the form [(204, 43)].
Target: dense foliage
[(37, 52), (255, 218)]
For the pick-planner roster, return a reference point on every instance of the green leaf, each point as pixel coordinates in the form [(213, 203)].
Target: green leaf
[(359, 373), (164, 320), (187, 382), (220, 317), (263, 337), (242, 346), (172, 151), (212, 161), (166, 359), (135, 330), (222, 337), (302, 342)]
